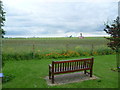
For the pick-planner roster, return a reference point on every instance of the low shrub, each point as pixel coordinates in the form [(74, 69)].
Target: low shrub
[(62, 54), (7, 77)]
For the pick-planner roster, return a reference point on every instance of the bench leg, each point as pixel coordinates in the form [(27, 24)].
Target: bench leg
[(49, 75), (90, 72), (84, 71), (52, 78)]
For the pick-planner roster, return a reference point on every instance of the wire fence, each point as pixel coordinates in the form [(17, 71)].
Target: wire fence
[(54, 48), (45, 49)]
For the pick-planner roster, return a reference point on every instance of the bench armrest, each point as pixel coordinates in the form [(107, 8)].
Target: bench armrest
[(50, 68), (50, 65)]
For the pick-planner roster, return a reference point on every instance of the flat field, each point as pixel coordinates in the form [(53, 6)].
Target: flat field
[(51, 44), (27, 48)]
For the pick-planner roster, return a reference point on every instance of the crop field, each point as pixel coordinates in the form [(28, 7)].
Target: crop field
[(27, 48)]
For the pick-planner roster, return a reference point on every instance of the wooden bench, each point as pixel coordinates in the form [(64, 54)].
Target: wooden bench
[(67, 66)]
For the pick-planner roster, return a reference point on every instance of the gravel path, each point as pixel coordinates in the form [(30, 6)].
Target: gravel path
[(70, 78)]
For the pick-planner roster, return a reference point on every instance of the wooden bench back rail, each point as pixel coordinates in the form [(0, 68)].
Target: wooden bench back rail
[(66, 66), (72, 65)]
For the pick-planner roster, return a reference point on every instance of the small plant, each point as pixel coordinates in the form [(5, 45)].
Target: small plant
[(115, 69), (99, 80), (7, 78)]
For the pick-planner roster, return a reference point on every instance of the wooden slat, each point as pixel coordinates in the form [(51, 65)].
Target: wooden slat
[(70, 66), (79, 64), (63, 66), (66, 66), (84, 65), (71, 71), (87, 64), (74, 65), (55, 66), (60, 66)]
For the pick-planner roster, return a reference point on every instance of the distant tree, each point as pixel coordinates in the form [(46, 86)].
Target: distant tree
[(2, 32), (2, 19), (70, 36), (114, 31)]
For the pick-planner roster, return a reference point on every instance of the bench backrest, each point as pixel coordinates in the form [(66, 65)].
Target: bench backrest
[(71, 65)]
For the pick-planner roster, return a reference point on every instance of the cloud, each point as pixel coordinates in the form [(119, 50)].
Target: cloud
[(39, 18), (40, 1)]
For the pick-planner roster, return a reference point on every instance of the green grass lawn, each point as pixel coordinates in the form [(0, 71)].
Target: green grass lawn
[(31, 74)]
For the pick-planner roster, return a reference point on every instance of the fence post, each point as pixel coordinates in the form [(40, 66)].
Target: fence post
[(33, 50), (92, 50)]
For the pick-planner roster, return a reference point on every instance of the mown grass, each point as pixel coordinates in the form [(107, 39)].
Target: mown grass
[(31, 73)]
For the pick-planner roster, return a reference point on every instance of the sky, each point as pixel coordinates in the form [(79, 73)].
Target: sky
[(58, 18)]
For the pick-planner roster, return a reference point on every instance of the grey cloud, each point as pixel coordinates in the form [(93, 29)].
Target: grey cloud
[(68, 17)]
